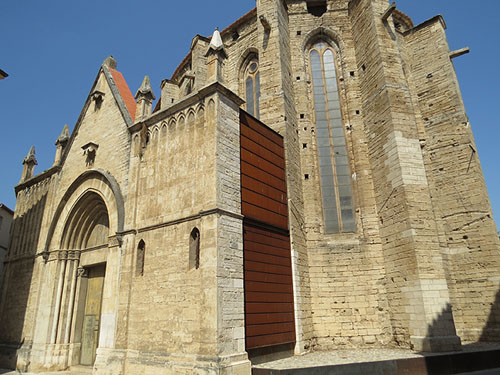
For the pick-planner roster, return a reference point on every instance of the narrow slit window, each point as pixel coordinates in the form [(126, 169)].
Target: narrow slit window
[(335, 173), (194, 249), (141, 248)]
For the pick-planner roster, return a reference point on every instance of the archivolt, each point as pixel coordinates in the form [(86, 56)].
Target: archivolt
[(322, 33), (94, 184), (88, 223)]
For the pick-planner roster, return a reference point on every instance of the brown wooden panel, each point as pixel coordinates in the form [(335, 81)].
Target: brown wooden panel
[(249, 121), (268, 278), (260, 175), (261, 163), (268, 297), (270, 340), (264, 210), (255, 286), (263, 189), (269, 318), (270, 329), (266, 258), (264, 202), (260, 128), (266, 249), (262, 307), (255, 148), (267, 268), (261, 140), (268, 233), (282, 243), (264, 215)]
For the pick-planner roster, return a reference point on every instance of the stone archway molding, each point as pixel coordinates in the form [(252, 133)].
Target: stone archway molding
[(95, 180)]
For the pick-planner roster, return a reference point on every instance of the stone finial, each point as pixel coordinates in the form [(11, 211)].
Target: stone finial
[(144, 97), (215, 58), (216, 41), (110, 62), (145, 89), (29, 163), (30, 158), (61, 143), (216, 44), (64, 137)]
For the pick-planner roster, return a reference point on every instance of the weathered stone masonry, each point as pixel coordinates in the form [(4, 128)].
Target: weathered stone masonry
[(103, 267)]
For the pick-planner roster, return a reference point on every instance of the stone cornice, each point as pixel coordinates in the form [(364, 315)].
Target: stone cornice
[(35, 179), (215, 87)]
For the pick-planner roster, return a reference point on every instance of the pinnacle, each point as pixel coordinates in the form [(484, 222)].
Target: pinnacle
[(216, 42), (30, 158), (64, 135), (145, 88)]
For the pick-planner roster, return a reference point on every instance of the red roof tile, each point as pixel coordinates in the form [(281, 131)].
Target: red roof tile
[(125, 92)]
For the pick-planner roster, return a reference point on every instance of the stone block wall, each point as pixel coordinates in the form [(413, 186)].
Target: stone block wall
[(421, 267), (20, 284), (459, 195)]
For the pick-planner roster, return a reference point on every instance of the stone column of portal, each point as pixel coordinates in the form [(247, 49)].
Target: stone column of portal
[(109, 360), (277, 110), (416, 284), (52, 268)]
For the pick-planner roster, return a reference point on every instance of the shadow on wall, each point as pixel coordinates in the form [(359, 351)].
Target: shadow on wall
[(442, 326), (491, 331), (16, 284), (480, 355)]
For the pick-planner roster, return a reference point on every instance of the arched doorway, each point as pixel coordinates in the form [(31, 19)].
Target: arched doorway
[(86, 230)]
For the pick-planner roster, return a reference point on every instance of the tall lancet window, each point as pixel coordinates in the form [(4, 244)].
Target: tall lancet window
[(335, 173), (252, 87)]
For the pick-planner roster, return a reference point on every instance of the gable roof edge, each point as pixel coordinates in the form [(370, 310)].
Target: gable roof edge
[(121, 105), (118, 97)]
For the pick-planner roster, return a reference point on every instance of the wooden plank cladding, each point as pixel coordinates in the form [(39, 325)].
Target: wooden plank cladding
[(269, 310), (263, 177), (269, 316)]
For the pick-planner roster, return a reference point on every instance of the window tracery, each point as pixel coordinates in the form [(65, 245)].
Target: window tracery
[(252, 87), (335, 172)]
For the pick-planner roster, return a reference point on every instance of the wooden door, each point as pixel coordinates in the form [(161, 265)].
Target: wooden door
[(92, 315)]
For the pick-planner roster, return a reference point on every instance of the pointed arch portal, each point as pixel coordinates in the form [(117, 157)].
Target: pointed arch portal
[(88, 218)]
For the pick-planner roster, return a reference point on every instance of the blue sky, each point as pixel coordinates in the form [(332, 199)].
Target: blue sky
[(53, 49)]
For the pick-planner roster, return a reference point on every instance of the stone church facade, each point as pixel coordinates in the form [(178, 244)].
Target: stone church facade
[(308, 180)]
